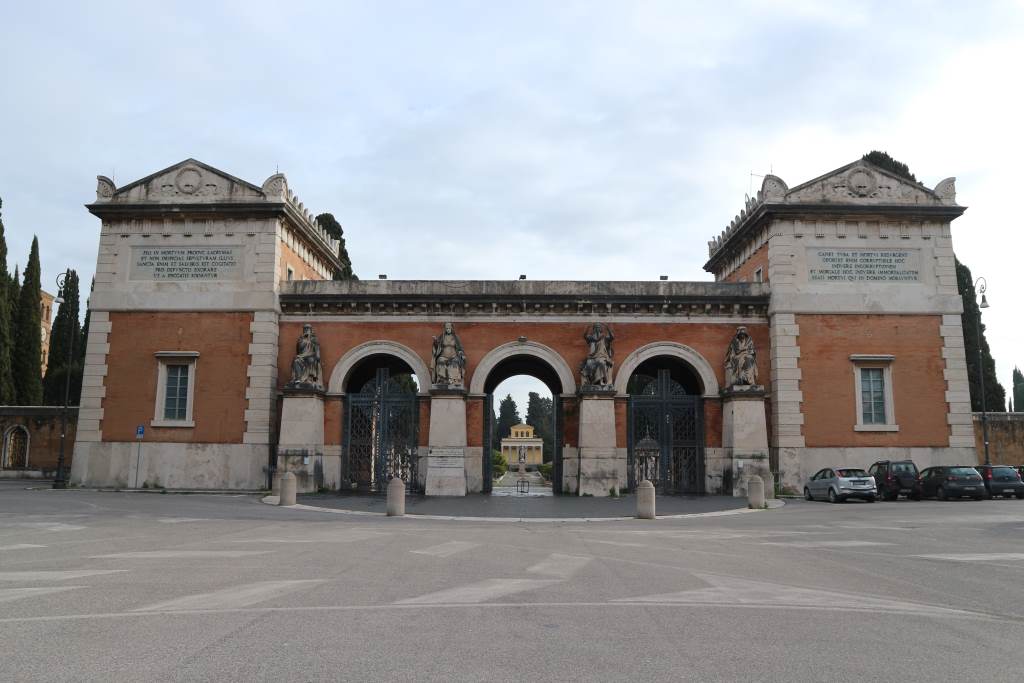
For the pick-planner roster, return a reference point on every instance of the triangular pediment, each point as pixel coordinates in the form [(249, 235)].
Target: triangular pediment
[(862, 183), (185, 182)]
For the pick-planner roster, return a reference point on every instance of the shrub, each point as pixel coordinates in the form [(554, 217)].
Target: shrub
[(545, 470), (499, 465)]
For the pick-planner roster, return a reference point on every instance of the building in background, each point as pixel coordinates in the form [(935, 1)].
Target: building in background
[(521, 438), (46, 315)]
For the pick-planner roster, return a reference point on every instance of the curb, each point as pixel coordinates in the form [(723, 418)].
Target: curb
[(272, 500)]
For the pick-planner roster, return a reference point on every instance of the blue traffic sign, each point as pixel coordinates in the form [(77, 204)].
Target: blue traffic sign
[(139, 431)]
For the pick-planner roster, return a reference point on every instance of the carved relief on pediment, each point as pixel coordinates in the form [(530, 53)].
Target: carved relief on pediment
[(190, 182), (861, 184)]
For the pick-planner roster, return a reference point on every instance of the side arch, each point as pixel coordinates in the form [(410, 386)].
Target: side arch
[(674, 350), (354, 355), (8, 444), (527, 348)]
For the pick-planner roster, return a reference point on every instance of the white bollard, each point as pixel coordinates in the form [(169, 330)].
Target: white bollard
[(288, 487), (645, 500), (755, 492), (396, 497)]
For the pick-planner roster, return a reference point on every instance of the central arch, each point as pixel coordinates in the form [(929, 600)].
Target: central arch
[(495, 356), (674, 350), (379, 347)]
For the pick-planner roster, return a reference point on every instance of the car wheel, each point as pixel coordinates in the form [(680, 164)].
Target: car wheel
[(941, 493), (1020, 496), (914, 496), (892, 496), (807, 494), (870, 499), (980, 497), (832, 497)]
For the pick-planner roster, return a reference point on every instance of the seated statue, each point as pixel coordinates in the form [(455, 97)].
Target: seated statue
[(741, 361), (448, 361), (306, 369)]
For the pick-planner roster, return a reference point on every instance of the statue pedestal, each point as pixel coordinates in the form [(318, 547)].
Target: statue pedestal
[(446, 456), (300, 445), (598, 464), (745, 436)]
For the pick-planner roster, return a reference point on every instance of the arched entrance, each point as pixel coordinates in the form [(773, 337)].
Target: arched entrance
[(15, 452), (665, 426), (381, 431), (537, 361)]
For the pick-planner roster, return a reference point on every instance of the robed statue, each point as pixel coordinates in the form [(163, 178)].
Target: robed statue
[(741, 361), (596, 370), (448, 361), (306, 369)]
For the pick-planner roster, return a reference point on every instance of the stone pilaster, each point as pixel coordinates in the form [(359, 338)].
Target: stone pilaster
[(958, 390), (598, 457), (262, 374), (446, 457), (300, 446), (745, 435)]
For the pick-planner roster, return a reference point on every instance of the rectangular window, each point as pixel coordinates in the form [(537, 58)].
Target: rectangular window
[(874, 393), (176, 382), (872, 396), (759, 275)]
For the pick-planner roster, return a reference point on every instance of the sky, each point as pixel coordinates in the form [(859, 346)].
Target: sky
[(566, 140)]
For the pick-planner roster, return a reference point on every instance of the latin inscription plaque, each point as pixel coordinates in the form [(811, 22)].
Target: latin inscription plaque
[(447, 458), (863, 265), (177, 264)]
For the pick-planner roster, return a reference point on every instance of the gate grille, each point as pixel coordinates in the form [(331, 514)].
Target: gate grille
[(666, 436), (381, 434)]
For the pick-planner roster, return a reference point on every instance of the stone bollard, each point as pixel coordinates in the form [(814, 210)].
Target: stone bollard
[(755, 492), (396, 497), (769, 485), (288, 487), (645, 500)]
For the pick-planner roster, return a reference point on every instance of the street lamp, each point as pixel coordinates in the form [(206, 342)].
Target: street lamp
[(61, 480), (981, 370)]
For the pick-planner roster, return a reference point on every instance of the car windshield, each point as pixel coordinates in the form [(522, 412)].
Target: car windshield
[(903, 468), (1003, 471), (963, 471), (851, 472)]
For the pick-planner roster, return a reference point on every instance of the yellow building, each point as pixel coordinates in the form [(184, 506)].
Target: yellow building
[(46, 318), (521, 437)]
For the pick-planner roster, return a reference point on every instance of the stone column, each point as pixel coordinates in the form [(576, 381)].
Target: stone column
[(745, 435), (598, 456), (300, 446), (446, 457)]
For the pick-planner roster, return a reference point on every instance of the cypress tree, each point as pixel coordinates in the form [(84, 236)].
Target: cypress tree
[(85, 326), (13, 293), (27, 357), (329, 223), (66, 331), (1018, 390), (7, 393), (539, 414), (883, 160), (995, 395), (508, 416)]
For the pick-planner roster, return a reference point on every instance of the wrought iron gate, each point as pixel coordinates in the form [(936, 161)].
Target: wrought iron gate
[(381, 434), (666, 436)]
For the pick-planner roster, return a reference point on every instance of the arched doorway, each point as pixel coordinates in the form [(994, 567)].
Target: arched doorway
[(381, 430), (665, 426), (15, 448), (534, 360)]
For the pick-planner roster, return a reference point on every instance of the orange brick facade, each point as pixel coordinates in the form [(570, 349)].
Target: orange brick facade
[(826, 343)]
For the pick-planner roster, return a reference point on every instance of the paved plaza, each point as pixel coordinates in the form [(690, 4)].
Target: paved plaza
[(138, 586)]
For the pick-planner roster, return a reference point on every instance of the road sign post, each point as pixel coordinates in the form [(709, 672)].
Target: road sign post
[(140, 432)]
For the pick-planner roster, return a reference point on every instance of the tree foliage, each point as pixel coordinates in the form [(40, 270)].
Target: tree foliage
[(508, 416), (883, 160), (1018, 390), (329, 223), (7, 393), (66, 332), (540, 415), (27, 357), (974, 338)]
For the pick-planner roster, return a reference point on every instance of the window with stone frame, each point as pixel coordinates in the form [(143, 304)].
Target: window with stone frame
[(175, 388), (874, 393)]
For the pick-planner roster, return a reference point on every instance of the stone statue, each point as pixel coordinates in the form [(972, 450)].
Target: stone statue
[(448, 361), (596, 370), (741, 361), (306, 369)]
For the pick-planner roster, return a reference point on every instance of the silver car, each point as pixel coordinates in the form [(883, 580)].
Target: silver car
[(836, 484)]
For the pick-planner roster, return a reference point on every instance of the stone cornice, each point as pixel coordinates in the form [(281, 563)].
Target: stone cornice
[(763, 213), (524, 298)]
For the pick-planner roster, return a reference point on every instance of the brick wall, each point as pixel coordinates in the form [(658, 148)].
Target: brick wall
[(1005, 438), (43, 426)]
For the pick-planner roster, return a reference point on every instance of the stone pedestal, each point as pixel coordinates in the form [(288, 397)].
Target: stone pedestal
[(446, 456), (300, 445), (598, 462), (745, 435)]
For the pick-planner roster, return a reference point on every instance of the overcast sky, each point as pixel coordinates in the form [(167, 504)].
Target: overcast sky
[(487, 139)]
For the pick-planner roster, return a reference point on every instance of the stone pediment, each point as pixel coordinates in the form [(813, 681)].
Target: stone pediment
[(864, 183), (185, 182)]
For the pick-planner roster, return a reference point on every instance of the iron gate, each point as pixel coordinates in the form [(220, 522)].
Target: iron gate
[(381, 434), (666, 436)]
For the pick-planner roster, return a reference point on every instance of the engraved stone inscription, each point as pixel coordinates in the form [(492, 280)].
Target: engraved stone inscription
[(863, 265), (447, 458), (186, 263)]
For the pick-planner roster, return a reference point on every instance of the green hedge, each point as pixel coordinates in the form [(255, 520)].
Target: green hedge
[(499, 465), (545, 470)]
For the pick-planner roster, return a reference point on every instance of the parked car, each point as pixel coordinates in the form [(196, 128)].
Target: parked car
[(1001, 480), (836, 484), (946, 481), (893, 477)]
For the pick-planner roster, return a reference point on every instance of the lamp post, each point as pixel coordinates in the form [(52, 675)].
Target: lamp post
[(61, 480), (980, 289)]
